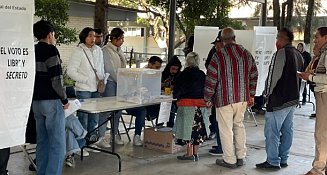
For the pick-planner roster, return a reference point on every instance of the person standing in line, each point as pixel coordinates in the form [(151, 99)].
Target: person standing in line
[(312, 69), (49, 102), (307, 58), (214, 132), (231, 81), (98, 37), (113, 59), (282, 95), (86, 67), (192, 119), (319, 165)]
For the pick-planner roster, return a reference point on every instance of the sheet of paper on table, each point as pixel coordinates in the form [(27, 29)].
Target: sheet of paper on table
[(164, 112), (74, 105)]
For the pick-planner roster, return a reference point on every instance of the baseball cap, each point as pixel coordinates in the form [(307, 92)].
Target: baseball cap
[(218, 38)]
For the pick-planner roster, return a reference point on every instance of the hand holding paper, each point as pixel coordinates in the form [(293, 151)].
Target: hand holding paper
[(74, 105)]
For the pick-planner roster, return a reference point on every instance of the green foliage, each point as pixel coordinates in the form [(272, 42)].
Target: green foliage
[(124, 3), (202, 12), (56, 11), (67, 80)]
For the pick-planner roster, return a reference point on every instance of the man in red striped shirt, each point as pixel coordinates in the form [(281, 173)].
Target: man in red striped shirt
[(230, 85)]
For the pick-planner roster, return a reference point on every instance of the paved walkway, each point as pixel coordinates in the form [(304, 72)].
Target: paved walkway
[(139, 161)]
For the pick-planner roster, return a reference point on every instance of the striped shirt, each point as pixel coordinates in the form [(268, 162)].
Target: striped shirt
[(49, 77), (231, 76)]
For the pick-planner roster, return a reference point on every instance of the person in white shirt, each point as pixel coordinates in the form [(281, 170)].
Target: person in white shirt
[(86, 61)]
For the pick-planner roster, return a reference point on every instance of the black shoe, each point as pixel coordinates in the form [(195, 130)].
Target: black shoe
[(31, 167), (240, 162), (304, 103), (266, 165), (196, 157), (313, 115), (216, 152), (283, 165), (184, 157), (222, 163)]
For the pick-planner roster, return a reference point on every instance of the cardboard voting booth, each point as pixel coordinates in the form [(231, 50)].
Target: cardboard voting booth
[(260, 42), (17, 69)]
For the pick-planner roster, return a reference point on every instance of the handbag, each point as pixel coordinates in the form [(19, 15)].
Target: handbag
[(101, 86)]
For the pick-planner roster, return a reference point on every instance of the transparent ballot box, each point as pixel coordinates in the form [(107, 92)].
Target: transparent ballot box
[(138, 85)]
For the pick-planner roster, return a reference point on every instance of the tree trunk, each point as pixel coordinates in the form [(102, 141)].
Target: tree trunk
[(308, 19), (276, 17), (290, 7), (282, 24), (100, 15)]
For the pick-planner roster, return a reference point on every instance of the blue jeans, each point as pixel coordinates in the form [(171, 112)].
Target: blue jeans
[(88, 121), (111, 91), (50, 128), (140, 114), (279, 135), (74, 132)]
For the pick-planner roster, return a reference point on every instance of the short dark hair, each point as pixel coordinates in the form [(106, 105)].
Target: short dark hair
[(97, 31), (322, 31), (84, 33), (42, 28), (116, 33), (288, 33), (155, 59)]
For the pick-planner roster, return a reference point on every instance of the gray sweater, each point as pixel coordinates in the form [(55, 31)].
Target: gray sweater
[(113, 58)]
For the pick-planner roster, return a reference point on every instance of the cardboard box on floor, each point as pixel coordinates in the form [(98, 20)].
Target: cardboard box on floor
[(160, 140)]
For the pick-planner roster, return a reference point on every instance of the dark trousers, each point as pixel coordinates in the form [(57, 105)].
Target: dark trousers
[(172, 116), (304, 94), (259, 101), (214, 126), (4, 158)]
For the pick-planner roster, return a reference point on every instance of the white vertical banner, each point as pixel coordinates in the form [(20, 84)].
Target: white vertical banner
[(203, 37), (264, 48), (17, 69), (245, 38)]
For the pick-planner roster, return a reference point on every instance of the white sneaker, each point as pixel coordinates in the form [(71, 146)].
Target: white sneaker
[(137, 140), (70, 161), (103, 142), (118, 140), (93, 150), (85, 153)]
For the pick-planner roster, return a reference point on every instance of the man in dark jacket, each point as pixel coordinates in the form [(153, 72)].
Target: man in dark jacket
[(307, 58), (214, 132), (218, 44), (282, 94)]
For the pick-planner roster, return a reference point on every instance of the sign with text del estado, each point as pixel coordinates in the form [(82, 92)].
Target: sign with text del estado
[(17, 69)]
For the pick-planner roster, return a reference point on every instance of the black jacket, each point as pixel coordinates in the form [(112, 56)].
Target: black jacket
[(190, 84), (210, 55), (307, 58), (283, 84)]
